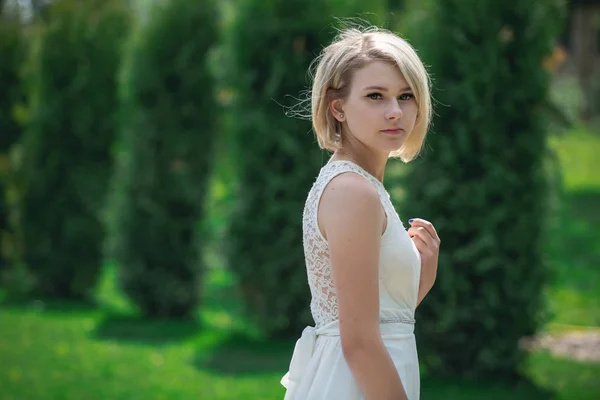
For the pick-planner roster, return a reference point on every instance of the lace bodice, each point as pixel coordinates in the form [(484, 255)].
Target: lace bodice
[(318, 263)]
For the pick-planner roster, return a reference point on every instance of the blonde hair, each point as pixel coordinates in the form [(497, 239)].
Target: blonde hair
[(352, 49)]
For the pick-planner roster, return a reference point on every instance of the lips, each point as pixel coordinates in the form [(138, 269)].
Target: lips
[(392, 131)]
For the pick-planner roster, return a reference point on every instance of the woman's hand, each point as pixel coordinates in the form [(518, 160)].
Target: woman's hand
[(425, 237)]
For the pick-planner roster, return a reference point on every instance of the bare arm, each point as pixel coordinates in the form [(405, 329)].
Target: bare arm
[(423, 290), (426, 239), (352, 219)]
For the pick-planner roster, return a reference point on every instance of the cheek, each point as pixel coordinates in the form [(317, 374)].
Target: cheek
[(361, 115), (411, 110)]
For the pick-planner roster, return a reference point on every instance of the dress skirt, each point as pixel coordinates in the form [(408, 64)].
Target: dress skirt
[(318, 370)]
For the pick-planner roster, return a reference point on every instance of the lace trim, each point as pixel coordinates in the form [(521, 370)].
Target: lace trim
[(323, 305)]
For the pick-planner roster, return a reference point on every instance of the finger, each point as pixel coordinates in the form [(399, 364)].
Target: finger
[(426, 237), (421, 232), (419, 243), (421, 246), (423, 235), (427, 225)]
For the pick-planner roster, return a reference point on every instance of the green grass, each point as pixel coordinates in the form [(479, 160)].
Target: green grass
[(577, 151), (65, 352), (573, 254), (83, 354), (573, 250), (54, 351)]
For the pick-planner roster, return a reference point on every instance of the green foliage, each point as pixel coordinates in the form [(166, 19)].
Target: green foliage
[(12, 48), (65, 152), (165, 156), (481, 182), (12, 45), (270, 45)]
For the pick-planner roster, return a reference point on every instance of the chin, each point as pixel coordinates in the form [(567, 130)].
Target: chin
[(394, 142), (394, 145)]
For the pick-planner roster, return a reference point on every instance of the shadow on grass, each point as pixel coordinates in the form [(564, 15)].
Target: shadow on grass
[(585, 202), (132, 329), (573, 254), (49, 305), (581, 205), (239, 355)]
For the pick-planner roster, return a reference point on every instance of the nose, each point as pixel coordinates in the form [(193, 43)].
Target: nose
[(395, 112)]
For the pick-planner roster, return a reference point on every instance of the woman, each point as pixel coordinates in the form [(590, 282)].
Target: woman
[(367, 273)]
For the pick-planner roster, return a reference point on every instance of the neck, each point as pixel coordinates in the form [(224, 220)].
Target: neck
[(373, 164)]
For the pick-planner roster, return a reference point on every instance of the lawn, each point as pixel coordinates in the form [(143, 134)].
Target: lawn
[(573, 251), (69, 352), (59, 351)]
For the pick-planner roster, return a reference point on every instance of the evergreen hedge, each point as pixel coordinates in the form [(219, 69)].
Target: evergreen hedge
[(170, 117), (270, 46), (482, 183), (65, 152), (12, 49)]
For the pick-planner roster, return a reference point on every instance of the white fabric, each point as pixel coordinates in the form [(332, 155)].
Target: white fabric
[(318, 370)]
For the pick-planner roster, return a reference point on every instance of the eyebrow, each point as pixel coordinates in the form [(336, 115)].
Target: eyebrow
[(385, 89)]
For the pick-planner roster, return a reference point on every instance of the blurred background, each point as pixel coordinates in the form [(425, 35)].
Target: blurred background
[(155, 157)]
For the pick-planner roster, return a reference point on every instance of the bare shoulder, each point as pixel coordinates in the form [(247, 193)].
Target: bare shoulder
[(348, 200)]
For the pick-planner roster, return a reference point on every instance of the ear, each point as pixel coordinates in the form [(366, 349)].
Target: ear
[(336, 108)]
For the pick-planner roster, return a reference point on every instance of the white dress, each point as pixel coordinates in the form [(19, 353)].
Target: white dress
[(318, 370)]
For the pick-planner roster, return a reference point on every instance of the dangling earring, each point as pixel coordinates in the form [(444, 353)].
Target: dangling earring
[(338, 134), (338, 130)]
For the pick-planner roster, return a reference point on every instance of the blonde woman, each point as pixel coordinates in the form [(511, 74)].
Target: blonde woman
[(367, 273)]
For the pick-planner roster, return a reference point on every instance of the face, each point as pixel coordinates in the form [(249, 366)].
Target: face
[(380, 110)]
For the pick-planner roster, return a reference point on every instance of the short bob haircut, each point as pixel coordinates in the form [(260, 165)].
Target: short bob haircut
[(352, 49)]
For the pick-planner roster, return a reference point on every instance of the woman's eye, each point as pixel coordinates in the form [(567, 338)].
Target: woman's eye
[(375, 96), (406, 96)]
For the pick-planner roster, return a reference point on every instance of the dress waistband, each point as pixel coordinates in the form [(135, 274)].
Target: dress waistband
[(390, 328)]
